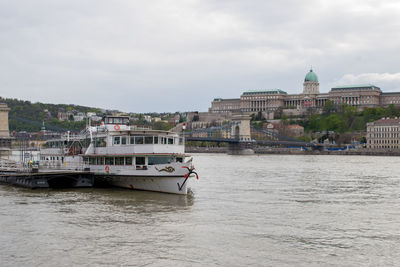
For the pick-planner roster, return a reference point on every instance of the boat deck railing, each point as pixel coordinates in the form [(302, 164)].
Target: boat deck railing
[(7, 165), (56, 165)]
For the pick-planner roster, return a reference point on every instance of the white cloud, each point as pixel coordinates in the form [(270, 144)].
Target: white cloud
[(389, 80)]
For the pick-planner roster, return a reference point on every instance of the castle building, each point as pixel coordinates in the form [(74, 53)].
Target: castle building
[(361, 96)]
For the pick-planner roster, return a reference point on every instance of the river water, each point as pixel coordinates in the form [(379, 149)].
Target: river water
[(267, 210)]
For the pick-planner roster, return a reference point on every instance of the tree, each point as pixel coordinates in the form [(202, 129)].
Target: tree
[(329, 108)]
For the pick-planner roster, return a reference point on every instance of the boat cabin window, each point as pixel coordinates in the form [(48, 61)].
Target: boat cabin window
[(139, 140), (116, 120), (140, 160), (109, 161), (92, 161), (117, 140), (160, 160), (148, 139), (179, 159), (123, 140), (119, 161), (100, 161), (100, 142)]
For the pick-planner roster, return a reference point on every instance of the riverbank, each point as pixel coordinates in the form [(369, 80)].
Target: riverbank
[(296, 151)]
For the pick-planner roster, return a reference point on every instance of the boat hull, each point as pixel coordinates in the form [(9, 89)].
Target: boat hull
[(165, 184)]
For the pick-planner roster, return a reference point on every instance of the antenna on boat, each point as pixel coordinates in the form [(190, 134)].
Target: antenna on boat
[(183, 132), (90, 130)]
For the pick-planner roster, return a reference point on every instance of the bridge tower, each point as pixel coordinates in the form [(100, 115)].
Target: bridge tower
[(5, 139), (241, 131), (241, 128), (4, 120)]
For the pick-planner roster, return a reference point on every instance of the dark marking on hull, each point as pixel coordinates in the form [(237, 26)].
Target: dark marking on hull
[(166, 169)]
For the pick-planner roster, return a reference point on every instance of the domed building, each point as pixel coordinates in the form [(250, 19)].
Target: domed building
[(310, 97), (311, 84)]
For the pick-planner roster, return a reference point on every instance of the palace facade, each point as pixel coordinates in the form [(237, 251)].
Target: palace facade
[(361, 96)]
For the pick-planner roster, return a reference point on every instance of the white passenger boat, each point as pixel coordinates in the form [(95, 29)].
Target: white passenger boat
[(124, 156)]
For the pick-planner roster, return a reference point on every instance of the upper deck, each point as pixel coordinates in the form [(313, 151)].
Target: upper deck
[(116, 137)]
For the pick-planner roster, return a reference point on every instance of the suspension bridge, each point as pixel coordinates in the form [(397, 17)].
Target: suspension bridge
[(238, 134)]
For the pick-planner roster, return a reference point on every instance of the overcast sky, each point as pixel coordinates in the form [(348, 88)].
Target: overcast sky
[(173, 55)]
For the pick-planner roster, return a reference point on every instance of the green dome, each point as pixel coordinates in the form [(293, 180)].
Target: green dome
[(311, 77)]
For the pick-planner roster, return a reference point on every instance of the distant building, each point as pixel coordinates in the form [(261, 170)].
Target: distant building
[(252, 101), (383, 134), (62, 116), (79, 116), (177, 118), (213, 132), (95, 118), (147, 118), (219, 105)]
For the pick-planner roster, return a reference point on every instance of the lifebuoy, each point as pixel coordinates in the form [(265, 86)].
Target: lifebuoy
[(107, 168), (116, 127)]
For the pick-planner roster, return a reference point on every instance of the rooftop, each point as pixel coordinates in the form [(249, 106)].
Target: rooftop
[(387, 121), (356, 87), (390, 93), (226, 99), (265, 92)]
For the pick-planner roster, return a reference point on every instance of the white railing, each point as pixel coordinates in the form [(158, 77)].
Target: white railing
[(7, 165), (66, 166)]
